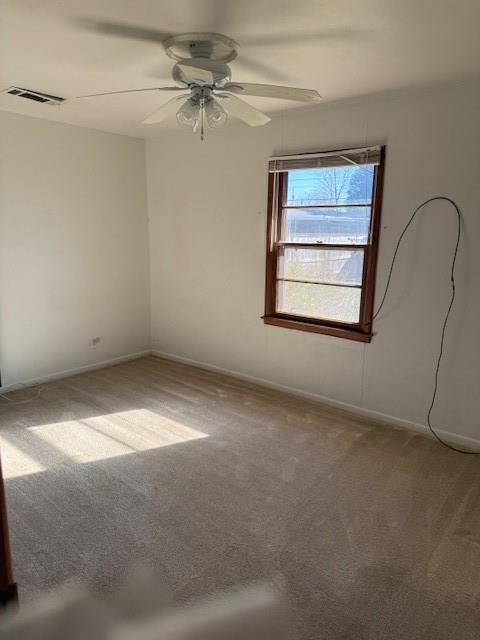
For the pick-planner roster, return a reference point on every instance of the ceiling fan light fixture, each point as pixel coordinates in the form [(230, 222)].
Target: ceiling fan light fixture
[(202, 75), (215, 113)]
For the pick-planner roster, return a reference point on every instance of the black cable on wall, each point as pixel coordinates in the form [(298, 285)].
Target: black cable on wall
[(447, 314)]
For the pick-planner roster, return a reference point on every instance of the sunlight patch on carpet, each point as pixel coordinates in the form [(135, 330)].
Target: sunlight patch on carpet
[(90, 439)]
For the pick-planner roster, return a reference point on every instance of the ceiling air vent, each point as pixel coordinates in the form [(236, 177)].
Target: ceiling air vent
[(36, 96)]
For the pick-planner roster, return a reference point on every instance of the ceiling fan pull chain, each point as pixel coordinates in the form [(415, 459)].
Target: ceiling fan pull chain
[(202, 118)]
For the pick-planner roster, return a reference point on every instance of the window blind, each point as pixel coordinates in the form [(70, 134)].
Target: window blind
[(343, 158)]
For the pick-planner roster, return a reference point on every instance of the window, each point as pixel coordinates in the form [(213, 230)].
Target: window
[(322, 239)]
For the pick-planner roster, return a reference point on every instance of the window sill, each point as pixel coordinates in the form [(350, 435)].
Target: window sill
[(302, 325)]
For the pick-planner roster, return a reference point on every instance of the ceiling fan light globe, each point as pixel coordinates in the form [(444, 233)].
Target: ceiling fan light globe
[(218, 119), (186, 120), (215, 114), (188, 115)]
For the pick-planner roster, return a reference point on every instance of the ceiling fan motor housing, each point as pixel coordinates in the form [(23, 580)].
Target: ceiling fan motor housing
[(201, 71)]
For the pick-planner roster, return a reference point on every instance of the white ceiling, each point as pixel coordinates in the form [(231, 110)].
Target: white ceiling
[(348, 48)]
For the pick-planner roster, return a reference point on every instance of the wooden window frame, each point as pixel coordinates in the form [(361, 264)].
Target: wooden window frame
[(361, 331)]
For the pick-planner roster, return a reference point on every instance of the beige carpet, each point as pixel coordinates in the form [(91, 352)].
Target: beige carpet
[(216, 482)]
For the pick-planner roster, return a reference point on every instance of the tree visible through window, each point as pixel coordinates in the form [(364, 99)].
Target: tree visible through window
[(322, 241)]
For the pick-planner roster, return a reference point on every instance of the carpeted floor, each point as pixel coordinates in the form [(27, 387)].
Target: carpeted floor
[(216, 482)]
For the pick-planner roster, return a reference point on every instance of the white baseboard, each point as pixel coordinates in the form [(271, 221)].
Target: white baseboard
[(72, 372), (377, 416)]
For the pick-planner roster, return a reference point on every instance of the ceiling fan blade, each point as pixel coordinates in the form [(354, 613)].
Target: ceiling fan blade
[(122, 30), (113, 93), (252, 64), (196, 73), (273, 91), (167, 109), (161, 72), (299, 38), (243, 111)]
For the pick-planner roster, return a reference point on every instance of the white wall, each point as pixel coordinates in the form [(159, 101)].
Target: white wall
[(73, 247), (207, 207)]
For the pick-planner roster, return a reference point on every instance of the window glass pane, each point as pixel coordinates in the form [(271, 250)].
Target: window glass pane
[(330, 186), (321, 265), (343, 225), (340, 304)]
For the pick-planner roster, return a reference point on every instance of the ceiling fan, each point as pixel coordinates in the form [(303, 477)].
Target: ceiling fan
[(207, 95)]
